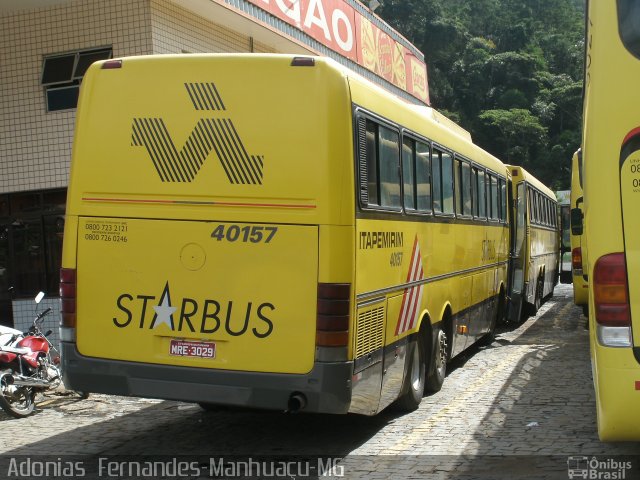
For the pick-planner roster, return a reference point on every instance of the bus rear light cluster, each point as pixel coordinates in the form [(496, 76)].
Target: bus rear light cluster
[(303, 62), (611, 299), (576, 260), (334, 307), (68, 297), (111, 64)]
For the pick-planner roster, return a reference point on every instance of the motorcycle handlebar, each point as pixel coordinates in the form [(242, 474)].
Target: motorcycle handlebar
[(43, 314)]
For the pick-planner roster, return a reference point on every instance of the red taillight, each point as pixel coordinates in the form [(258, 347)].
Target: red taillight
[(110, 64), (334, 306), (610, 292), (303, 62), (68, 297), (576, 258)]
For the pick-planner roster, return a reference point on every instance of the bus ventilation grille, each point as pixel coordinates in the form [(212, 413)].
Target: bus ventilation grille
[(369, 331)]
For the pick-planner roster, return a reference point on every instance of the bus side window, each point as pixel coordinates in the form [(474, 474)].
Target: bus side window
[(482, 195), (474, 191), (408, 174), (457, 173), (371, 153), (538, 209), (494, 197), (447, 184), (466, 189), (423, 176), (437, 180), (503, 200), (389, 168), (549, 215), (382, 162)]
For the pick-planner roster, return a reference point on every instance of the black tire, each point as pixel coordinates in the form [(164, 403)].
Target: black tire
[(414, 380), (490, 336), (438, 361), (83, 395), (539, 295), (16, 401), (533, 308)]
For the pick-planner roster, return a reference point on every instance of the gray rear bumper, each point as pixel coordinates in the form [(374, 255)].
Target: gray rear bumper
[(327, 387)]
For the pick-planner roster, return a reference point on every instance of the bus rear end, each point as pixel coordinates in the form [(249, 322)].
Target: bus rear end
[(199, 237), (578, 241), (611, 173)]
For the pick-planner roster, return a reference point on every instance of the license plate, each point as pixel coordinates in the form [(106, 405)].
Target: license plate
[(182, 348)]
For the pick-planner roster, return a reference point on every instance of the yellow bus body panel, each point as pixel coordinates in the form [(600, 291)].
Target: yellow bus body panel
[(215, 291), (615, 380), (457, 266), (580, 285), (609, 116), (136, 167)]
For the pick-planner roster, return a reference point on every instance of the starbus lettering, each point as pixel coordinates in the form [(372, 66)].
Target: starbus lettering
[(207, 316)]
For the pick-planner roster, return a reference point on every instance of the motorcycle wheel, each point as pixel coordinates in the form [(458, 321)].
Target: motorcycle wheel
[(17, 401)]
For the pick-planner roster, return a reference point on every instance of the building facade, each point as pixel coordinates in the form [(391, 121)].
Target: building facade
[(45, 48)]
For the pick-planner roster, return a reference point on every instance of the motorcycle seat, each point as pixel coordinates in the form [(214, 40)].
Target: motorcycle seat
[(16, 350)]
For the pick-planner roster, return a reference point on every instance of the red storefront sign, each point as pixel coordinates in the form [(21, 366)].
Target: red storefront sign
[(341, 28)]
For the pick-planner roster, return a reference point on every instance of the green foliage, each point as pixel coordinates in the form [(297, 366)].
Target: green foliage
[(516, 132), (509, 71)]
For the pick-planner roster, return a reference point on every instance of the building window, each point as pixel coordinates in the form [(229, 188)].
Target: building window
[(31, 229), (62, 75)]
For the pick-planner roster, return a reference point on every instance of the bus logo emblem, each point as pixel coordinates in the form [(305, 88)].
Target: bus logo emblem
[(209, 135)]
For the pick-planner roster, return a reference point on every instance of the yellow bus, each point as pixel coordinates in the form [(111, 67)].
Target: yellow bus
[(304, 241), (578, 244), (563, 198), (611, 181), (535, 242)]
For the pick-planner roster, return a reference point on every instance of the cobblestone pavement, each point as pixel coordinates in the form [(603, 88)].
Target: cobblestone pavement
[(516, 409)]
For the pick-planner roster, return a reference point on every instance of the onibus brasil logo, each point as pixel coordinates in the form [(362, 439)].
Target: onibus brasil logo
[(596, 469), (212, 134)]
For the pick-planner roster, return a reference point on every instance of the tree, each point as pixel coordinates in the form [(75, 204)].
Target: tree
[(509, 71), (514, 135)]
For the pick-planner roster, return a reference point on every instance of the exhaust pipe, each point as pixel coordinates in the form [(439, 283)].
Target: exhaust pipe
[(297, 401), (29, 382), (7, 378)]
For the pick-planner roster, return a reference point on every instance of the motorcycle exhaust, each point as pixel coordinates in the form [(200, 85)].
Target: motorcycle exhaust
[(29, 382), (7, 377)]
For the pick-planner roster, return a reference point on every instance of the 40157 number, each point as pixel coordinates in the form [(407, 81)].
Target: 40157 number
[(249, 233)]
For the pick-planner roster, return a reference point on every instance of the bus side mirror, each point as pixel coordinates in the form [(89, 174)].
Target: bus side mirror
[(576, 221)]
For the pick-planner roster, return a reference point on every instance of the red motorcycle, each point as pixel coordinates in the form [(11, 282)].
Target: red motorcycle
[(27, 366)]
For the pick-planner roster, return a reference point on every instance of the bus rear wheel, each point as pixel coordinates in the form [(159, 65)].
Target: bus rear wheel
[(439, 357), (414, 380), (539, 295)]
